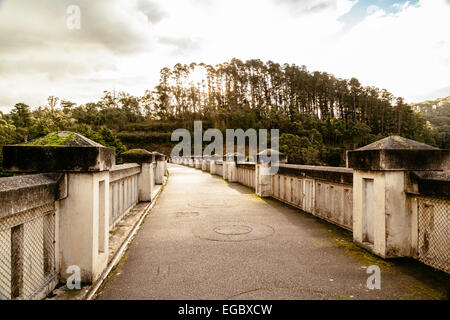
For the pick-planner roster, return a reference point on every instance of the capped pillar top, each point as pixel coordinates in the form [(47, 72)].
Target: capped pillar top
[(63, 151), (158, 156), (234, 156), (216, 157), (266, 154), (137, 156), (398, 153)]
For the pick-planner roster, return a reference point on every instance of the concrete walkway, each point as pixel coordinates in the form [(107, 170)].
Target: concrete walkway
[(209, 239)]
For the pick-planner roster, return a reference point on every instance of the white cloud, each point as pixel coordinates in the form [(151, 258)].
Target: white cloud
[(406, 53), (373, 9), (124, 43)]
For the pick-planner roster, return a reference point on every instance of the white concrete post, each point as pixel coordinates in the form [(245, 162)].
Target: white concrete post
[(146, 182), (84, 224), (165, 168), (159, 179), (203, 165), (232, 171), (263, 180), (198, 164), (212, 167), (382, 220), (225, 170)]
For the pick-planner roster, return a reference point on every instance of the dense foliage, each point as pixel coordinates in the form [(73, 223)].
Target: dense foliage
[(319, 116), (437, 112), (23, 125)]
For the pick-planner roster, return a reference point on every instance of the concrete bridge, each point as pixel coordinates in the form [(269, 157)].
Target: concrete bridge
[(222, 229), (210, 239)]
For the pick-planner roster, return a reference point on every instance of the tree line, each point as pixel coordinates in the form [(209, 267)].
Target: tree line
[(319, 115)]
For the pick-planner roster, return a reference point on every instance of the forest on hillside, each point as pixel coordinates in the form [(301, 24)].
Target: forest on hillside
[(437, 112), (319, 116)]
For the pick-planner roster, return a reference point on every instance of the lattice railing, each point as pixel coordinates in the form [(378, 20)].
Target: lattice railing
[(434, 232), (27, 252)]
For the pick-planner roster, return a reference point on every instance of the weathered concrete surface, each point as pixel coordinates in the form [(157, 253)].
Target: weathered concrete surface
[(176, 254)]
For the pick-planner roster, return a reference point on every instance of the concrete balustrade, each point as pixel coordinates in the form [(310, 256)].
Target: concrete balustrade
[(88, 196), (245, 174), (219, 168), (84, 213), (146, 180), (160, 167), (29, 234), (203, 165), (383, 222), (212, 167), (263, 182), (394, 198)]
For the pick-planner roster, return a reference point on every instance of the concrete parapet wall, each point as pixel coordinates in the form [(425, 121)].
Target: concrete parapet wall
[(60, 219), (123, 190), (29, 237), (325, 199), (392, 210), (219, 168), (246, 174)]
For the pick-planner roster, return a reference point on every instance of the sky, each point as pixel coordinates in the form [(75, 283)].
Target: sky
[(402, 46)]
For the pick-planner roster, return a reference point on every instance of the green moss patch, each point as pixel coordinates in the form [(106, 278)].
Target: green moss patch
[(52, 139), (135, 151)]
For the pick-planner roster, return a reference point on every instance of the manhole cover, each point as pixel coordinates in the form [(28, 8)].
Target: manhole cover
[(233, 231)]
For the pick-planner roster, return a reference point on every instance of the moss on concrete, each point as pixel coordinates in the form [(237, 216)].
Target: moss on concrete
[(52, 139), (421, 286), (135, 151), (344, 239), (420, 289), (113, 274)]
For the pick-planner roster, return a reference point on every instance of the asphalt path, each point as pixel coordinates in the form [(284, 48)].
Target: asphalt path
[(210, 239)]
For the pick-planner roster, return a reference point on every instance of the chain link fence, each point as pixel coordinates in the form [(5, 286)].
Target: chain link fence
[(27, 252), (434, 232)]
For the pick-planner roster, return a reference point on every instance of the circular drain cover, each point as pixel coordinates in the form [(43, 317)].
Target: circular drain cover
[(233, 231)]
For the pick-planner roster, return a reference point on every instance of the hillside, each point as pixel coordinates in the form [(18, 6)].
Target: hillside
[(437, 112)]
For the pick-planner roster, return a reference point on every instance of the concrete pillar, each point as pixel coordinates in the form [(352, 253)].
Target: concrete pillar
[(146, 182), (165, 168), (84, 225), (232, 171), (146, 179), (212, 167), (382, 221), (198, 163), (83, 214), (263, 180), (203, 165), (160, 160), (159, 178), (225, 170)]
